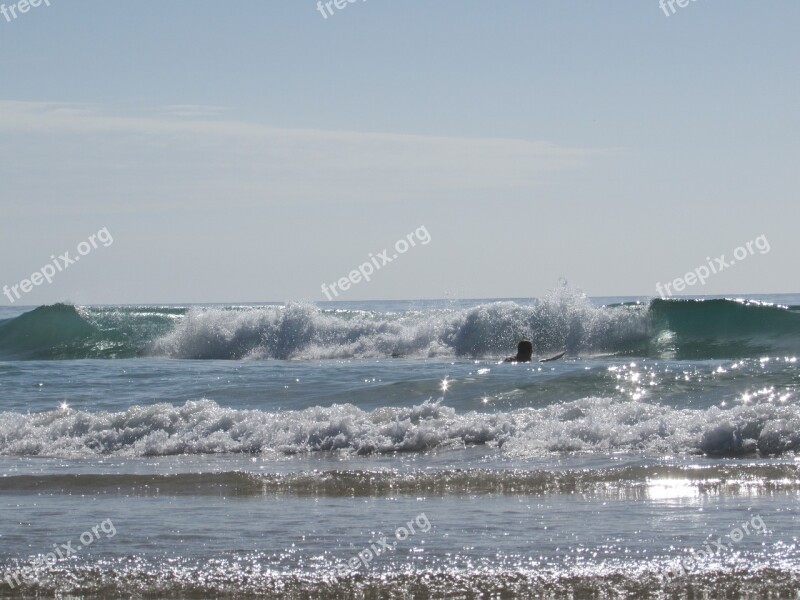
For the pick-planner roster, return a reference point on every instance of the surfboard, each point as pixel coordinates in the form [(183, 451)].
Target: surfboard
[(554, 357)]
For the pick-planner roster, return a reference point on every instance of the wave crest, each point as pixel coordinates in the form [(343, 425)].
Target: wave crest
[(563, 320)]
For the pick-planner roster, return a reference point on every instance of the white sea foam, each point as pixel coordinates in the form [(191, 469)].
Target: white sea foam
[(563, 319), (590, 424)]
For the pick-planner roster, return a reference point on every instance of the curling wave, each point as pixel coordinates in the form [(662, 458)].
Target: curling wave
[(566, 319)]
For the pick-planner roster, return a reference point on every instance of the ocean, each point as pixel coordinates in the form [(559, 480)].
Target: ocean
[(384, 450)]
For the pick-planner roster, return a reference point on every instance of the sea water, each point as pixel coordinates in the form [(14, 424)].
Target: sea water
[(383, 449)]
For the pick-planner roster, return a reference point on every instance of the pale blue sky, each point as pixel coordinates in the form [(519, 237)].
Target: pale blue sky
[(252, 150)]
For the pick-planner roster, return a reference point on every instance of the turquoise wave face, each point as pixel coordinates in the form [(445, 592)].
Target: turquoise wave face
[(676, 329), (63, 331), (699, 329)]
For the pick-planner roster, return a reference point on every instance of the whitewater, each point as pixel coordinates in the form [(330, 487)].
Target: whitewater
[(252, 450)]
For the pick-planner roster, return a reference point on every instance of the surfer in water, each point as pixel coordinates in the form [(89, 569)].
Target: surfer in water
[(524, 352)]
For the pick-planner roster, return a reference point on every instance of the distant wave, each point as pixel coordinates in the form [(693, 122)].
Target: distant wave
[(586, 425), (563, 320)]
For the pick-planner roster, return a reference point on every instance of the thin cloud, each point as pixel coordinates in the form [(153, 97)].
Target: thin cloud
[(190, 153)]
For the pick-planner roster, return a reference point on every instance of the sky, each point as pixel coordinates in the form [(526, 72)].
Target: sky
[(253, 150)]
